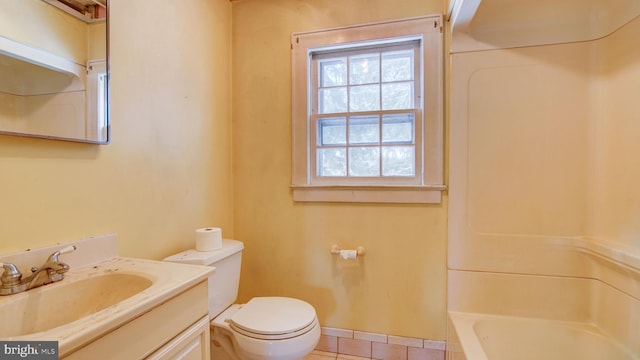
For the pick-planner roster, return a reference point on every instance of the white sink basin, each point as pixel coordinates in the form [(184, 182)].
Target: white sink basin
[(94, 300), (54, 305)]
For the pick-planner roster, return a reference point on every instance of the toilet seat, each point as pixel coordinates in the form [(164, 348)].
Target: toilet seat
[(273, 318)]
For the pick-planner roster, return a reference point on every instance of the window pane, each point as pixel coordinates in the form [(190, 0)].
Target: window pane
[(332, 131), (364, 129), (364, 98), (333, 72), (397, 128), (364, 69), (397, 66), (398, 160), (397, 96), (333, 100), (332, 162), (364, 161)]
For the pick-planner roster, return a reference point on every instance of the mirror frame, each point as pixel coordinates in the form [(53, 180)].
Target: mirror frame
[(107, 111)]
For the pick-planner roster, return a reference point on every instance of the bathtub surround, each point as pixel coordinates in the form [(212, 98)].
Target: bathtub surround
[(543, 196), (605, 301), (563, 175)]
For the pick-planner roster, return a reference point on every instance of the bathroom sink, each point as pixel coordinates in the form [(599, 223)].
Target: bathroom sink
[(100, 295), (54, 305)]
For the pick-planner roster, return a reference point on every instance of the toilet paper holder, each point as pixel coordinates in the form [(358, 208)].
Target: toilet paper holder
[(335, 249)]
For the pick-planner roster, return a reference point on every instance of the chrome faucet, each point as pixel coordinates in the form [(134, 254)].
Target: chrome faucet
[(53, 270)]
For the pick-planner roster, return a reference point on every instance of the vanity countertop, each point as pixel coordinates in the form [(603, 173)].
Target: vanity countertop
[(146, 283), (167, 280)]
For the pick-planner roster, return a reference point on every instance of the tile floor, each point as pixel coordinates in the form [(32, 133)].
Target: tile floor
[(323, 355)]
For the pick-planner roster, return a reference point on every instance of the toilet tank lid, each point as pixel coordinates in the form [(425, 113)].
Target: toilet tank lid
[(191, 256)]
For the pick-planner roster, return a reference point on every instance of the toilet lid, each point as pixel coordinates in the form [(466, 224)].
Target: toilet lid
[(273, 317)]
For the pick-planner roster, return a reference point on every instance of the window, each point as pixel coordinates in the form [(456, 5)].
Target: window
[(363, 117), (97, 127), (367, 113)]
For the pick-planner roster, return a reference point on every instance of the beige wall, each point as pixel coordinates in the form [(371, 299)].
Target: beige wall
[(399, 286), (168, 168)]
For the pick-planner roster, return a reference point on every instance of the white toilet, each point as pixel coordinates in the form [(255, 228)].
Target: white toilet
[(264, 328)]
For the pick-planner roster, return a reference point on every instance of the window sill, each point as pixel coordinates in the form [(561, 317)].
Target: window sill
[(428, 194)]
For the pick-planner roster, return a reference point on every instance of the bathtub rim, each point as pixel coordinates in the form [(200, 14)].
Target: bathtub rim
[(464, 326)]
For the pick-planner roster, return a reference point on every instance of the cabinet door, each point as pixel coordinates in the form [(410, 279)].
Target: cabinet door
[(191, 344)]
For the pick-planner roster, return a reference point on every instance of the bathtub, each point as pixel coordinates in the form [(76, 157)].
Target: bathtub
[(498, 337)]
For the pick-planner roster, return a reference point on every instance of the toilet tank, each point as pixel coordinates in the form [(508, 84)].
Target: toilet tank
[(223, 283)]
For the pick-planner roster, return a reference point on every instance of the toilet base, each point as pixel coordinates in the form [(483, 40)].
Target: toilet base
[(226, 344), (218, 353)]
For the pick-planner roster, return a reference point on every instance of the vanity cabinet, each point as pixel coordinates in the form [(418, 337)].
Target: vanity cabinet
[(191, 344), (175, 329)]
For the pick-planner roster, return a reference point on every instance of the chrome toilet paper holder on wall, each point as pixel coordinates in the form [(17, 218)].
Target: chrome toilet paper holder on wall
[(335, 249)]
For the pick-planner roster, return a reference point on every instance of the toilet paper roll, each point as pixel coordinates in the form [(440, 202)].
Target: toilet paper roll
[(348, 254), (208, 239)]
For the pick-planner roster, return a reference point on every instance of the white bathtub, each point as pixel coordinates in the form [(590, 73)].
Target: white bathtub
[(497, 337)]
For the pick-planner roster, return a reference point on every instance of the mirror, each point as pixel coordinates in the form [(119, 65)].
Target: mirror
[(54, 78)]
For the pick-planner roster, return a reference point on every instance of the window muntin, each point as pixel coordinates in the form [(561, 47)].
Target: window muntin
[(371, 145), (379, 78)]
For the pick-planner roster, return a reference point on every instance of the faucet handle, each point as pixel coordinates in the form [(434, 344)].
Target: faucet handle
[(56, 266), (68, 249), (11, 274), (65, 250)]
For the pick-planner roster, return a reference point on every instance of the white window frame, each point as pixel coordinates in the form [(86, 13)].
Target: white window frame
[(429, 128)]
